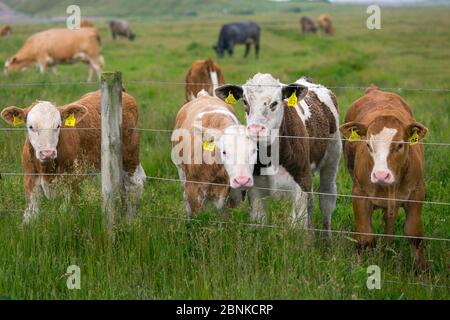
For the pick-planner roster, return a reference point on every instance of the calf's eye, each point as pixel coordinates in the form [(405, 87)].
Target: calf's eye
[(369, 147), (273, 105)]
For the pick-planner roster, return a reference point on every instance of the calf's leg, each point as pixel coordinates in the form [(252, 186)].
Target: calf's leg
[(134, 186), (363, 210), (33, 195), (256, 195), (414, 228)]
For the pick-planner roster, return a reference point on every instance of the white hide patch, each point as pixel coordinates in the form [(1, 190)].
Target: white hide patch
[(322, 93), (214, 81), (262, 88), (43, 123), (380, 144)]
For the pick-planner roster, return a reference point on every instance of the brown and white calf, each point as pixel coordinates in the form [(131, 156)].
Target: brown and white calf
[(269, 117), (383, 164), (225, 168), (59, 46), (203, 75), (52, 149)]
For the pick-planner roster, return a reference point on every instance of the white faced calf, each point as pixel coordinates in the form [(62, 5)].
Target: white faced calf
[(213, 154), (284, 128)]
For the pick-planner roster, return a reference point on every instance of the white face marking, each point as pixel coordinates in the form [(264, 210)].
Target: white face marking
[(380, 144), (238, 153), (260, 92), (43, 125), (214, 81)]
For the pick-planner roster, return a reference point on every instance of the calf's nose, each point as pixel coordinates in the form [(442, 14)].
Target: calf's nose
[(381, 176), (256, 129), (242, 182), (47, 154)]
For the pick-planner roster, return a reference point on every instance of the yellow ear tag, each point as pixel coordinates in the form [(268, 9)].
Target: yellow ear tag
[(354, 136), (230, 99), (208, 146), (70, 120), (17, 121), (292, 101), (414, 139)]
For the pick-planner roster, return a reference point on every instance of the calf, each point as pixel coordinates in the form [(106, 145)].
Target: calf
[(5, 31), (121, 28), (50, 47), (269, 117), (203, 75), (383, 163), (308, 25), (228, 156), (50, 149), (325, 24), (247, 33)]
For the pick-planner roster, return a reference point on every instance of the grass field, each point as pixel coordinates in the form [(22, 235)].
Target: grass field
[(156, 258)]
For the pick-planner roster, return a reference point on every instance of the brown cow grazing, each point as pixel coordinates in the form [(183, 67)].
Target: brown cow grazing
[(225, 165), (51, 47), (5, 31), (86, 23), (325, 24), (203, 75), (271, 115), (308, 25), (50, 151), (383, 163)]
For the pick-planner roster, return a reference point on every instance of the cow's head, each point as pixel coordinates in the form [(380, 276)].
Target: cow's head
[(15, 64), (219, 50), (387, 140), (235, 150), (43, 122), (264, 101)]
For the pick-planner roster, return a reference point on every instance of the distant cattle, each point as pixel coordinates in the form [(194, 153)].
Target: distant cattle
[(325, 24), (203, 75), (247, 33), (224, 166), (51, 150), (86, 23), (121, 28), (386, 162), (308, 25), (270, 119), (59, 46), (5, 31)]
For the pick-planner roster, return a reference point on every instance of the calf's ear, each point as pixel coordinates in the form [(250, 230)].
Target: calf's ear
[(416, 127), (300, 91), (349, 127), (224, 91), (77, 110), (14, 115)]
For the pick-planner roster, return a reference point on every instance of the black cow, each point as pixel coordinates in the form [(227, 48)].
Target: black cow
[(238, 33)]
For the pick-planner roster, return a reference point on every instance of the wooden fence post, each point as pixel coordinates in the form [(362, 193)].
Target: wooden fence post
[(112, 181)]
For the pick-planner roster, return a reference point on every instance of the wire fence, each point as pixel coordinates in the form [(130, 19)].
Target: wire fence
[(183, 83), (250, 225), (441, 144)]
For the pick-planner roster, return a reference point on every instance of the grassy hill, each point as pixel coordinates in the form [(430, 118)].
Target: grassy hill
[(159, 8)]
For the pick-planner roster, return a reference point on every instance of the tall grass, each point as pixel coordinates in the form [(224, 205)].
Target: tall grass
[(158, 258)]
